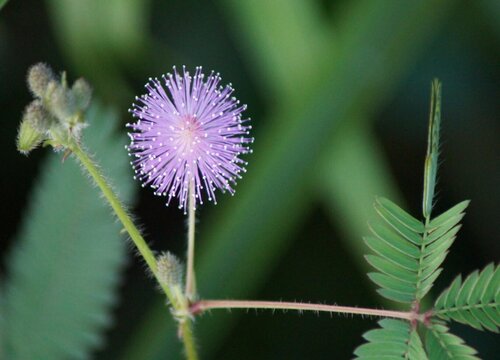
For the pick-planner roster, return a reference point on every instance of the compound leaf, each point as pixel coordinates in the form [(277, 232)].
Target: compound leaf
[(66, 262), (474, 301), (408, 262)]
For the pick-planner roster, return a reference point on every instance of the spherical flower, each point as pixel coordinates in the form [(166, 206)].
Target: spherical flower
[(189, 133)]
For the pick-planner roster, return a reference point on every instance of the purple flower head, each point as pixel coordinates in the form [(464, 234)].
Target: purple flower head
[(189, 132)]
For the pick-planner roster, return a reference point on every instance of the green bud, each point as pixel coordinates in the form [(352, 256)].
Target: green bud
[(62, 104), (28, 137), (170, 270), (39, 118), (39, 77), (171, 275), (82, 92), (34, 126), (51, 87), (57, 114), (64, 80)]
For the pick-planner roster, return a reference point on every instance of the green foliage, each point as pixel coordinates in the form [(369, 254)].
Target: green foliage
[(415, 347), (475, 301), (431, 159), (395, 244), (395, 340), (439, 235), (407, 252), (408, 256), (64, 269), (442, 345), (2, 3)]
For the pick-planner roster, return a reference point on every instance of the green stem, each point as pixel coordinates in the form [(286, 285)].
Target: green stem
[(141, 245), (115, 203), (188, 340), (190, 277)]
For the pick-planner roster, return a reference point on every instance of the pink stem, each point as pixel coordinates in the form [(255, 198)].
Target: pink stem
[(203, 305)]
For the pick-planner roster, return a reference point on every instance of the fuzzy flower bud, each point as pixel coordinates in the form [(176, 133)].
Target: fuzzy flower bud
[(39, 77), (38, 116), (170, 271), (28, 138), (82, 93), (33, 127), (56, 114), (62, 104)]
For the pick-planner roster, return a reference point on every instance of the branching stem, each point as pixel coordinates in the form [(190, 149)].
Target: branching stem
[(204, 305)]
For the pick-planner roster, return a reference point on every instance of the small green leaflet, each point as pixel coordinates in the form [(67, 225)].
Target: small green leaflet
[(406, 253), (442, 345), (394, 340), (475, 301)]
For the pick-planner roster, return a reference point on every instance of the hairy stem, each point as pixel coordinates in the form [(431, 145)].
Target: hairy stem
[(203, 305), (186, 332), (117, 207), (190, 277), (141, 245)]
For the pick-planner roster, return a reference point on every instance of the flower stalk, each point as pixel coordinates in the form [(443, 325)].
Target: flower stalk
[(190, 277)]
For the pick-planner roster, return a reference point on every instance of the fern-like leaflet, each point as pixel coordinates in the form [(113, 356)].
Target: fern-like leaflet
[(442, 345), (64, 273), (395, 340), (475, 301), (408, 253)]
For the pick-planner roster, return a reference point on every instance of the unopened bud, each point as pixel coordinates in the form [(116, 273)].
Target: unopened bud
[(170, 270), (51, 87), (39, 76), (82, 93), (36, 114), (28, 137), (62, 104)]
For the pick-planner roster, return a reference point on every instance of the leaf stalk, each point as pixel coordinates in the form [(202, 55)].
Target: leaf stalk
[(204, 305)]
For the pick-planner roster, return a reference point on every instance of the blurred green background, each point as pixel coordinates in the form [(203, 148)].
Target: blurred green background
[(339, 95)]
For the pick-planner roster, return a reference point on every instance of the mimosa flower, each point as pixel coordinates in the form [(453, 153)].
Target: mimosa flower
[(189, 132)]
